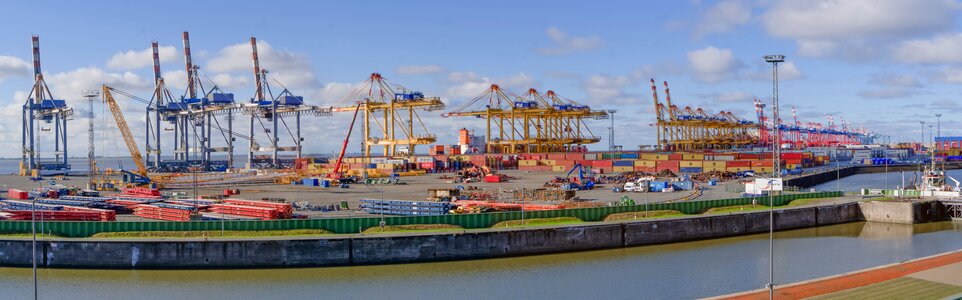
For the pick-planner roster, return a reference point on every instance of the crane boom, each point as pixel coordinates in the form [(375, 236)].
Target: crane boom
[(125, 131), (340, 157)]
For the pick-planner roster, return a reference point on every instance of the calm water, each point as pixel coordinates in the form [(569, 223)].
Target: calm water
[(889, 180), (676, 271)]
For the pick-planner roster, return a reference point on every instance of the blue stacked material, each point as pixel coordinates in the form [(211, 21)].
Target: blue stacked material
[(622, 163), (85, 198), (325, 183), (406, 208), (690, 170), (63, 202), (26, 205), (176, 206)]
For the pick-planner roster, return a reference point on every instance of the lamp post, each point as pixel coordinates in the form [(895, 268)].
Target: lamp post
[(611, 130), (922, 140), (938, 130), (776, 166)]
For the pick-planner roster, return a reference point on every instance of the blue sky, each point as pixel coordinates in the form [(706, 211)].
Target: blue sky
[(885, 64)]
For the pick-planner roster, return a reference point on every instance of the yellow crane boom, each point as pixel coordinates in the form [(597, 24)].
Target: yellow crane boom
[(125, 131)]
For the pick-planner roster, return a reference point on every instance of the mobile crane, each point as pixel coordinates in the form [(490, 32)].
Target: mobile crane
[(140, 177)]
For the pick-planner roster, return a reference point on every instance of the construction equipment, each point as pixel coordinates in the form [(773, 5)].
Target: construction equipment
[(581, 182), (128, 137), (531, 122), (393, 108), (336, 173)]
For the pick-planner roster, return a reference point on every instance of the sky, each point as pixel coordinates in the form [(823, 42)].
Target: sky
[(882, 64)]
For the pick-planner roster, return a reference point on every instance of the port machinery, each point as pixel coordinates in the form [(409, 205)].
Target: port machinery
[(268, 113), (530, 123), (202, 115), (799, 134), (393, 109), (42, 108), (696, 129), (690, 129)]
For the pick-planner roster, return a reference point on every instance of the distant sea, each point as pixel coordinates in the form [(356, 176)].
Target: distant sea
[(79, 164)]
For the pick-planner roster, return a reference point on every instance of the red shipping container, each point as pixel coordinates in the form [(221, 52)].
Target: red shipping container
[(575, 156), (762, 163), (667, 165), (601, 163), (738, 163), (792, 156), (427, 165), (675, 157)]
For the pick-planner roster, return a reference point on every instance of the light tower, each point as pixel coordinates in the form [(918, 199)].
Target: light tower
[(776, 166), (91, 96)]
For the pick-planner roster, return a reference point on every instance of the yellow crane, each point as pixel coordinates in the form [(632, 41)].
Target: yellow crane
[(393, 110), (530, 123), (125, 130)]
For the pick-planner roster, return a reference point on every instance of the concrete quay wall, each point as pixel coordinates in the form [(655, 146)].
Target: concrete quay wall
[(366, 249)]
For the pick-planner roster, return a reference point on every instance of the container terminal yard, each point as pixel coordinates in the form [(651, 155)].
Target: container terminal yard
[(518, 158)]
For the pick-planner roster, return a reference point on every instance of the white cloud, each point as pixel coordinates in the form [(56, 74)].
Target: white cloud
[(69, 85), (565, 44), (724, 16), (940, 49), (470, 84), (420, 69), (13, 67), (237, 58), (763, 71), (948, 75), (731, 97), (133, 59), (229, 82), (713, 65), (826, 27)]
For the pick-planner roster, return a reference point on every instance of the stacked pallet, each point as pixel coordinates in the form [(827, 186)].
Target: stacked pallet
[(166, 212), (406, 208), (284, 210), (262, 213)]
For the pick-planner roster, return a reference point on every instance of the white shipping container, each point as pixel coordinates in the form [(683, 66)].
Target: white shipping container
[(378, 160), (424, 159)]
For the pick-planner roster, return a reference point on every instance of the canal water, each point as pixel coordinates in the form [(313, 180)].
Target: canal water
[(890, 180), (673, 271)]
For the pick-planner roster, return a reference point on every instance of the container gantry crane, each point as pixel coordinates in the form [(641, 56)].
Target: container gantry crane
[(42, 108), (694, 128), (393, 109), (266, 106), (532, 122)]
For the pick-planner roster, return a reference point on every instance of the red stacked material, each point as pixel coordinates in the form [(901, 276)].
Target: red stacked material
[(141, 192), (106, 215), (509, 206), (162, 213), (263, 213), (739, 164), (285, 210), (796, 155), (53, 215), (18, 194)]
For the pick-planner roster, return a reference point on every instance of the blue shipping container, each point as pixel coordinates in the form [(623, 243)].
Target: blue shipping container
[(690, 170), (629, 156), (623, 163)]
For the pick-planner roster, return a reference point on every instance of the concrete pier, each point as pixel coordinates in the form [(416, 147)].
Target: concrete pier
[(367, 249)]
